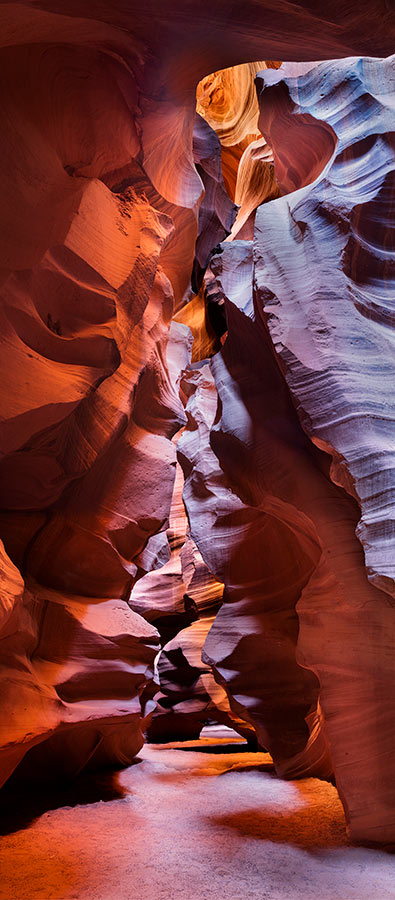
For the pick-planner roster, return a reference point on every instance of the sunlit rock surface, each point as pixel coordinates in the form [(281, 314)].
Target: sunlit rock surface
[(326, 293), (239, 470), (86, 657), (228, 101), (86, 310), (308, 289), (160, 595), (333, 333), (176, 594)]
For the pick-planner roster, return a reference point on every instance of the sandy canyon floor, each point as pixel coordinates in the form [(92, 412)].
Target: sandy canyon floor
[(204, 820)]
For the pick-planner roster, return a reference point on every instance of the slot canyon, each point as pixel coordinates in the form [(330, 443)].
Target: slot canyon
[(197, 462)]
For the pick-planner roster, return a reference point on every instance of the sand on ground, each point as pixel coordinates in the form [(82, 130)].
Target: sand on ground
[(204, 820)]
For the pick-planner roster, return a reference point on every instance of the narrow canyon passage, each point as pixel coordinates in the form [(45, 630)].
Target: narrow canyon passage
[(202, 820), (197, 450)]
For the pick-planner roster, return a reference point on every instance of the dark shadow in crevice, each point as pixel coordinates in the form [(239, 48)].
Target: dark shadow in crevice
[(312, 828), (21, 803), (305, 828), (233, 747)]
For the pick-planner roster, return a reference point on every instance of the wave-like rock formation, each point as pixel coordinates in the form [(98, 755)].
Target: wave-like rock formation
[(239, 453), (181, 600), (87, 464), (228, 101), (176, 594), (326, 294), (115, 194), (89, 376), (256, 183), (190, 697), (285, 518), (334, 333), (161, 596), (74, 655)]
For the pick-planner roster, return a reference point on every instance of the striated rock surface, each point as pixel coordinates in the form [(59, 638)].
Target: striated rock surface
[(326, 295), (274, 518), (85, 659), (256, 183), (295, 584), (85, 315), (181, 599), (216, 212), (190, 697), (334, 333), (227, 100), (244, 527), (160, 596), (74, 677)]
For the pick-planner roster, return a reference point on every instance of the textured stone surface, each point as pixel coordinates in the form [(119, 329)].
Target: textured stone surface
[(236, 491), (274, 518), (189, 696), (228, 101), (326, 296), (85, 315), (334, 333), (181, 599)]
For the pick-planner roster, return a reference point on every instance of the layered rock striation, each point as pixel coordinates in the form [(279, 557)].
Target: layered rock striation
[(326, 296), (239, 452), (275, 507), (182, 599)]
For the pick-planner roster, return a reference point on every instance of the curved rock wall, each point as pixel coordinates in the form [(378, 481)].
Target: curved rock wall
[(326, 296), (181, 600), (239, 452), (271, 514)]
